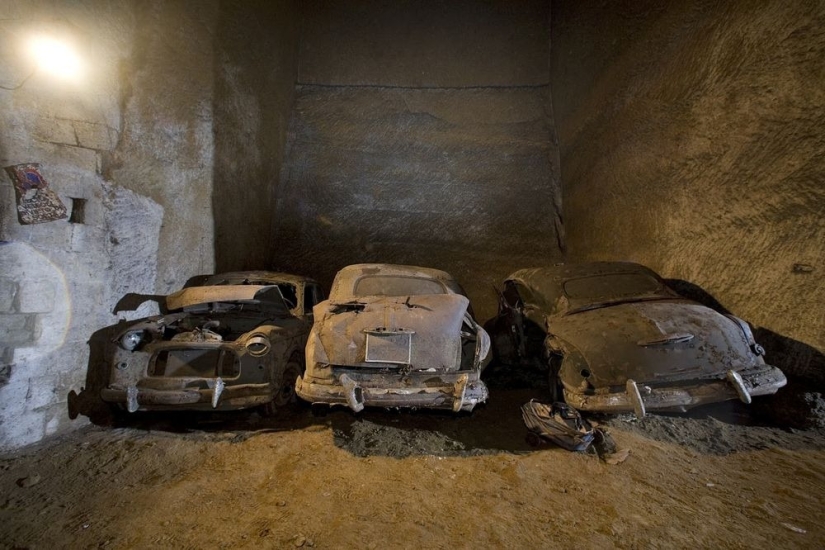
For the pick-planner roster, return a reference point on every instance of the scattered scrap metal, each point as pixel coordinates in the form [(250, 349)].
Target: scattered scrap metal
[(565, 427)]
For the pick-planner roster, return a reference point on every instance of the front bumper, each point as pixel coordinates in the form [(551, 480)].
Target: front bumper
[(219, 396), (455, 391), (639, 398)]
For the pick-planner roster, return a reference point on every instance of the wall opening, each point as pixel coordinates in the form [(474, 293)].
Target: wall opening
[(78, 214)]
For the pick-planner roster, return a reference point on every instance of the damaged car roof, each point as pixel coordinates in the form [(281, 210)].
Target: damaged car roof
[(251, 277), (566, 287), (225, 293), (345, 283)]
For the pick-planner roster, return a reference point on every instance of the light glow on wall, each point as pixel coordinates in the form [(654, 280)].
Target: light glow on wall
[(56, 57)]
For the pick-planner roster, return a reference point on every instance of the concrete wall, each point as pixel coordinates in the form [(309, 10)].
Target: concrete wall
[(692, 138), (422, 133), (133, 137)]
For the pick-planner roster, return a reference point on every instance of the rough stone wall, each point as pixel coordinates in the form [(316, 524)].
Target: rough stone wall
[(692, 139), (132, 138), (255, 67), (421, 134), (165, 148)]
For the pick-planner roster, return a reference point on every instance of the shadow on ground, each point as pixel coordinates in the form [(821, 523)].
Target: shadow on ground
[(496, 427)]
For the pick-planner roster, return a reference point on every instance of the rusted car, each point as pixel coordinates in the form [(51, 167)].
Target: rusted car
[(395, 336), (234, 341), (615, 339)]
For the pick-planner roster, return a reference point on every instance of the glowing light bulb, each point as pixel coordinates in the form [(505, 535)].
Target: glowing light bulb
[(56, 57)]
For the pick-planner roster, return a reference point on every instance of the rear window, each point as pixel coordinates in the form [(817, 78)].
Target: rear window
[(606, 288), (382, 285)]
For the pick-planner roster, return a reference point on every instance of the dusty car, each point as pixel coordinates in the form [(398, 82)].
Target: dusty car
[(616, 339), (395, 336), (236, 340)]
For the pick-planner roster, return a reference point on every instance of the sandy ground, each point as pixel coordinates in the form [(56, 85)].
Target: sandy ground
[(389, 479)]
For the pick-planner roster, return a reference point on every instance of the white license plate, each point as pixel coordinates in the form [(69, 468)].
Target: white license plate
[(389, 347)]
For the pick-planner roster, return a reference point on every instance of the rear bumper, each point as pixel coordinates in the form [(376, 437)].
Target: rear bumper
[(219, 397), (455, 392), (639, 398)]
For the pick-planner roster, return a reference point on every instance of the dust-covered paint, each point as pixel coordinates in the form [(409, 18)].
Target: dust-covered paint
[(395, 336), (615, 338)]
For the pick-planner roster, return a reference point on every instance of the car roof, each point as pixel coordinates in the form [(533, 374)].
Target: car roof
[(345, 280), (272, 277), (548, 281), (562, 272), (198, 295)]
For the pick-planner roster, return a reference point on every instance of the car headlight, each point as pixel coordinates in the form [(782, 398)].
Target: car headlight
[(258, 345), (131, 340)]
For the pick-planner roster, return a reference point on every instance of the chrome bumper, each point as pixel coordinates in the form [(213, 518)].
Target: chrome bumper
[(457, 393), (218, 396), (639, 398)]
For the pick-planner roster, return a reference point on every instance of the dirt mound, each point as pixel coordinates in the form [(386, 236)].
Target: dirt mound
[(367, 438)]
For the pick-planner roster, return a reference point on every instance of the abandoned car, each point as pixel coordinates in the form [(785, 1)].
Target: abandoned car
[(395, 336), (615, 338), (234, 341)]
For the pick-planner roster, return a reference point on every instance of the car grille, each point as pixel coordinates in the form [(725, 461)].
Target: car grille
[(193, 362)]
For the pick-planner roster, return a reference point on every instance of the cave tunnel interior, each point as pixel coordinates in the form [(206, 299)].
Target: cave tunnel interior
[(180, 138), (473, 136)]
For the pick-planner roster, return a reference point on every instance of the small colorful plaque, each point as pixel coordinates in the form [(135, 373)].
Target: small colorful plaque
[(36, 203)]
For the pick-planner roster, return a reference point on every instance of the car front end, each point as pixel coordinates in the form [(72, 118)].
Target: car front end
[(197, 375), (220, 352)]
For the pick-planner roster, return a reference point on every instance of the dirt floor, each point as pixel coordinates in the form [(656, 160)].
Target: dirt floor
[(387, 479)]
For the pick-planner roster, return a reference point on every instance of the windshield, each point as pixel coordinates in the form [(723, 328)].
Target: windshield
[(383, 285), (614, 287)]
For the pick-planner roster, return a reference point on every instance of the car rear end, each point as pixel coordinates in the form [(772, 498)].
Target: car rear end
[(668, 355), (396, 351)]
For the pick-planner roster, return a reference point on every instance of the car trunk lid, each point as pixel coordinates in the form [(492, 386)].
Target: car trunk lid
[(653, 342), (421, 332)]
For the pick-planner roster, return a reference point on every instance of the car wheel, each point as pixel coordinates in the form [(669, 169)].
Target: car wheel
[(284, 396)]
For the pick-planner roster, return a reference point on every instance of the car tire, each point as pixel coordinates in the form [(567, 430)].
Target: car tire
[(284, 397)]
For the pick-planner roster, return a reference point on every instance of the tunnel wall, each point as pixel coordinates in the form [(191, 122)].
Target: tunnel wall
[(422, 134), (255, 66), (691, 138), (133, 138)]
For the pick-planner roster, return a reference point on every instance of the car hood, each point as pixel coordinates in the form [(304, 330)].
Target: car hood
[(232, 325), (650, 342), (433, 320)]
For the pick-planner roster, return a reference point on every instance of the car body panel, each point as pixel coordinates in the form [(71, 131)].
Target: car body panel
[(194, 296), (632, 346), (229, 346), (662, 341), (432, 321), (416, 345)]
